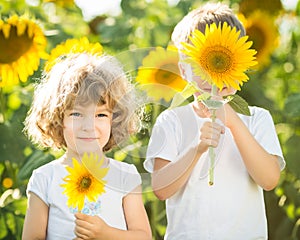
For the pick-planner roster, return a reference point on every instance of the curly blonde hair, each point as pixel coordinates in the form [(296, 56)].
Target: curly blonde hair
[(82, 78), (202, 16)]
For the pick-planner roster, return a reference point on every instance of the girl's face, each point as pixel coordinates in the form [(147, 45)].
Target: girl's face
[(87, 128)]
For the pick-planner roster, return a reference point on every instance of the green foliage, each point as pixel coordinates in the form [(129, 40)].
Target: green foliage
[(145, 24), (239, 105)]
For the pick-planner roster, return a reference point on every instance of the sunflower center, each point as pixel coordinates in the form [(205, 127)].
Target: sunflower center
[(13, 47), (167, 74), (85, 183), (217, 59)]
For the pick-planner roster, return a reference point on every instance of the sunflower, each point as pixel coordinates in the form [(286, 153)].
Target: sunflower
[(220, 56), (264, 35), (22, 45), (159, 74), (272, 7), (72, 46), (84, 181)]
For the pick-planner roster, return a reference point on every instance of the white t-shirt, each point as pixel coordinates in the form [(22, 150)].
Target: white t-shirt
[(45, 182), (233, 208)]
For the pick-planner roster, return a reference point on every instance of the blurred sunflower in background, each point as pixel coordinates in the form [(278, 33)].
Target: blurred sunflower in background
[(85, 180), (7, 182), (72, 46), (271, 7), (22, 45), (264, 34), (159, 74), (61, 3)]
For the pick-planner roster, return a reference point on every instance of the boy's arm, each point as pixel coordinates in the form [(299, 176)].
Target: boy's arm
[(262, 166), (168, 177), (36, 219), (93, 227)]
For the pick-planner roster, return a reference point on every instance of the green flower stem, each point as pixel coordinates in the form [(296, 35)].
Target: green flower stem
[(211, 149), (212, 154)]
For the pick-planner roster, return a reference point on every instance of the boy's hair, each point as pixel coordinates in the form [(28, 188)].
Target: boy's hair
[(202, 16), (81, 79)]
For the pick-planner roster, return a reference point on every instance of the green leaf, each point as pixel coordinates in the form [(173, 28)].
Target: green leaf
[(18, 206), (3, 229), (181, 97), (292, 106), (35, 160), (12, 142), (11, 223), (204, 96), (239, 105), (292, 155), (1, 168)]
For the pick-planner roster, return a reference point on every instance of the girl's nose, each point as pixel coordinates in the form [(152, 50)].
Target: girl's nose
[(87, 123)]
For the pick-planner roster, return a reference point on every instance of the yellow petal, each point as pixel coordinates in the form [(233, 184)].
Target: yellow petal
[(6, 30)]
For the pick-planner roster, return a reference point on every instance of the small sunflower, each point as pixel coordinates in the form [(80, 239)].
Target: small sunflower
[(220, 56), (159, 74), (22, 45), (84, 181), (264, 35), (72, 46)]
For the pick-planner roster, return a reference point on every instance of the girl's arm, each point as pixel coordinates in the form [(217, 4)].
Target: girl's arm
[(36, 219), (262, 166), (93, 227), (168, 177)]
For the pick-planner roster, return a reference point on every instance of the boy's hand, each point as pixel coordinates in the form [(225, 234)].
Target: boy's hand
[(210, 135), (88, 227), (230, 116)]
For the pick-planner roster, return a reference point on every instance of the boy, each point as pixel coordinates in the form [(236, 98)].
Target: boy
[(248, 156)]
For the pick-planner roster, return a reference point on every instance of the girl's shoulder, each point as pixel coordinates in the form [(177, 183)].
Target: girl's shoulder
[(49, 167), (122, 166), (123, 176)]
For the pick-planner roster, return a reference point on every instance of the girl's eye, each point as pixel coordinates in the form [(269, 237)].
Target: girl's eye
[(101, 115), (75, 114)]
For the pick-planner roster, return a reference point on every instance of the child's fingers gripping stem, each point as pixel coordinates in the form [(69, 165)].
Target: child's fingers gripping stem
[(210, 137)]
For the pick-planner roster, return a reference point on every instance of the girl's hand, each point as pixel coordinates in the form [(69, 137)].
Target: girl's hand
[(88, 227)]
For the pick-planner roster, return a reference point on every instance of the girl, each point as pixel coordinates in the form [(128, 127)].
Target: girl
[(84, 104)]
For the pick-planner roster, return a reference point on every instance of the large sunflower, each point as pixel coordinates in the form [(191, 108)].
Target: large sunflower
[(72, 46), (220, 56), (85, 180), (159, 74), (22, 45), (264, 35)]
